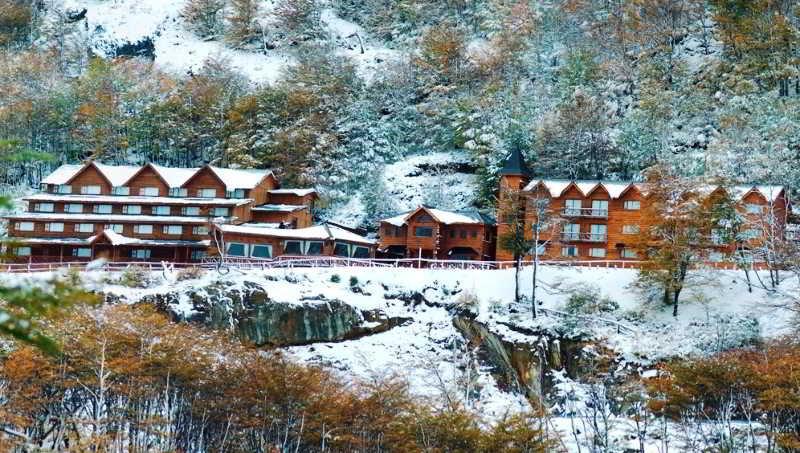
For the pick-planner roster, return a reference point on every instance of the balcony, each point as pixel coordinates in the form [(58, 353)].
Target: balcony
[(584, 237), (585, 212)]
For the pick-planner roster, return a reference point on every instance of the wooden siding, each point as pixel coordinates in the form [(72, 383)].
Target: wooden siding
[(298, 219), (205, 178), (147, 177), (128, 226), (90, 176)]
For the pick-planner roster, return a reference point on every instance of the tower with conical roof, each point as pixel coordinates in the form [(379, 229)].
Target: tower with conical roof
[(513, 177)]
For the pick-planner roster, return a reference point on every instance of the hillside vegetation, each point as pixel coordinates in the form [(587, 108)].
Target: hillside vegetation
[(330, 92)]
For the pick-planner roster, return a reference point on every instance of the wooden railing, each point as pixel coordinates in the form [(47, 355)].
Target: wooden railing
[(290, 262)]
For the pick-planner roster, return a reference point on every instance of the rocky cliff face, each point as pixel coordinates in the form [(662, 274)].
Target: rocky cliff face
[(524, 367), (250, 312)]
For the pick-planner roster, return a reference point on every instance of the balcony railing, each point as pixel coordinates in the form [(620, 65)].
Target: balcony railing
[(584, 237), (585, 212)]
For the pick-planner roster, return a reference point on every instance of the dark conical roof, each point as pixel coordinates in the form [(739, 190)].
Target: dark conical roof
[(514, 165)]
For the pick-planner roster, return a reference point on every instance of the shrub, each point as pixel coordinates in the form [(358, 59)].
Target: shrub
[(588, 301), (468, 300), (335, 278), (190, 273), (135, 277), (353, 281)]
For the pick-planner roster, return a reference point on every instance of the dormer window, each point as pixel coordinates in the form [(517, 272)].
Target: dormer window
[(148, 191), (178, 192), (207, 193), (90, 190), (238, 193), (64, 189), (121, 190)]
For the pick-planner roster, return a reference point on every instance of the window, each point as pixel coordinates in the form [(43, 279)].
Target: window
[(64, 189), (570, 251), (425, 218), (44, 187), (632, 205), (341, 249), (102, 209), (178, 192), (54, 227), (473, 234), (292, 248), (84, 228), (572, 207), (572, 232), (143, 229), (628, 253), (596, 252), (134, 209), (261, 251), (463, 234), (630, 229), (115, 227), (598, 233), (541, 249), (160, 210), (220, 212), (200, 230), (716, 257), (753, 208), (360, 252), (73, 208), (314, 248), (140, 254), (238, 193), (173, 230), (22, 251), (24, 226), (82, 252), (191, 211), (423, 232), (207, 193), (90, 190), (121, 190), (452, 234), (599, 208), (235, 249), (148, 191), (198, 255), (44, 207)]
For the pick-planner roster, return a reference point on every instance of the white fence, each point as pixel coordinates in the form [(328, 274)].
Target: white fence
[(302, 262)]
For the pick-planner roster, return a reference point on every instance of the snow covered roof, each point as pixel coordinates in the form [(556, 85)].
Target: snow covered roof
[(279, 207), (62, 174), (446, 217), (55, 241), (117, 175), (317, 232), (118, 239), (174, 176), (297, 192), (45, 216), (616, 189), (137, 200), (235, 178)]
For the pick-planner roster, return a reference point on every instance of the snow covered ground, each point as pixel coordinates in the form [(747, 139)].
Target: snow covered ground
[(112, 23), (430, 353)]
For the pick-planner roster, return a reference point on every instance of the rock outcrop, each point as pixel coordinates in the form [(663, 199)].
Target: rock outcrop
[(249, 312)]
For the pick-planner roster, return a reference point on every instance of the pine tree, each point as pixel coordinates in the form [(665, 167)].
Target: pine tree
[(242, 27)]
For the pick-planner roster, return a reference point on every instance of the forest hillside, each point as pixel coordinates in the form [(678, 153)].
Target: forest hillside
[(373, 100)]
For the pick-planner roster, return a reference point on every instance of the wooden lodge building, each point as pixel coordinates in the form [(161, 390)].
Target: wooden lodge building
[(599, 220), (438, 234), (148, 213)]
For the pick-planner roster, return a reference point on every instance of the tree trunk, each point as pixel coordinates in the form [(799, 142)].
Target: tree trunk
[(518, 267)]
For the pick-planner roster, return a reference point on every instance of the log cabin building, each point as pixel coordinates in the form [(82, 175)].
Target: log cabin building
[(600, 220), (148, 213), (438, 234), (252, 241)]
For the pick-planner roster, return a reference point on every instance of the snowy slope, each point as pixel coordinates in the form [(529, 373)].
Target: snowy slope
[(114, 23)]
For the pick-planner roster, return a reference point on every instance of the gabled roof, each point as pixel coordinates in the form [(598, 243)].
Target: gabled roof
[(514, 165), (235, 178), (279, 207), (468, 216), (616, 189), (117, 175), (62, 174), (174, 176)]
